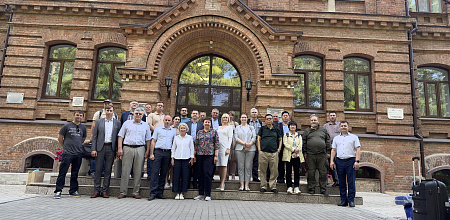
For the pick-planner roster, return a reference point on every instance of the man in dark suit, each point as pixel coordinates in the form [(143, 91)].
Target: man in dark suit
[(284, 128), (104, 147), (128, 115), (194, 125), (216, 122)]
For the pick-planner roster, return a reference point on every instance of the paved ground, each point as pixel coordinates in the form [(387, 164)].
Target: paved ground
[(14, 204)]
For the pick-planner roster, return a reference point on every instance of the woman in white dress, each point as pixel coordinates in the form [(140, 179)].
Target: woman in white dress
[(225, 133)]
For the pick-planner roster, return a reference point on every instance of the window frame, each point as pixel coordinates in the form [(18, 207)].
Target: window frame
[(438, 94), (430, 10), (305, 72), (356, 74), (111, 71), (61, 70)]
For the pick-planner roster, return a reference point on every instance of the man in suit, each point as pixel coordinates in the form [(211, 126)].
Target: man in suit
[(129, 115), (104, 147), (215, 123), (194, 126), (284, 128)]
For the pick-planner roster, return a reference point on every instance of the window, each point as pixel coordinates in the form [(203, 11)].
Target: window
[(433, 6), (61, 62), (356, 84), (434, 97), (108, 81), (308, 90)]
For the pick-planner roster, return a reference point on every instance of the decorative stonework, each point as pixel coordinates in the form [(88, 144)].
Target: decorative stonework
[(435, 161)]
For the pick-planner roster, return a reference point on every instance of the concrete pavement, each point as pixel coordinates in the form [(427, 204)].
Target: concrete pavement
[(15, 204)]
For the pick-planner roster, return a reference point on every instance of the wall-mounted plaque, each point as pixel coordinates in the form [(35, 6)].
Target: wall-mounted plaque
[(395, 113), (14, 98), (77, 101), (274, 110)]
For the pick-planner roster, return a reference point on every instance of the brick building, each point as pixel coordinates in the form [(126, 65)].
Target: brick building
[(303, 56)]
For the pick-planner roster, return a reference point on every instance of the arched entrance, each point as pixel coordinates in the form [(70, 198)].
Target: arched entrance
[(209, 82)]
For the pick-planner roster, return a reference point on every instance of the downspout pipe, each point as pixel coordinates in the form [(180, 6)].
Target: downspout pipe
[(2, 64), (407, 8), (414, 98)]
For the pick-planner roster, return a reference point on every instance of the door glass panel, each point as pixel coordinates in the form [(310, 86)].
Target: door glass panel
[(220, 97), (102, 83), (315, 91), (445, 99), (224, 74), (181, 95), (52, 80), (423, 6), (66, 81), (432, 102), (196, 72), (198, 96), (349, 91), (299, 91), (436, 6), (363, 92), (236, 98)]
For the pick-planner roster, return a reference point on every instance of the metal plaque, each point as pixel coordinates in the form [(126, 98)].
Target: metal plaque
[(14, 98), (395, 113), (77, 101)]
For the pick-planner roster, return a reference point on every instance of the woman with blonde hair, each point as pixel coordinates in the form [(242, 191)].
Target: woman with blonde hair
[(182, 156), (245, 137), (225, 133)]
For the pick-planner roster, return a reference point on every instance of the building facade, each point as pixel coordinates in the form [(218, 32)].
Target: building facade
[(381, 65)]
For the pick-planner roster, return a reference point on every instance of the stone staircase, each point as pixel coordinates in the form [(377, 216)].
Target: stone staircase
[(231, 192)]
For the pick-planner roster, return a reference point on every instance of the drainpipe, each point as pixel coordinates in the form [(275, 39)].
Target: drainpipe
[(407, 8), (414, 98), (2, 64)]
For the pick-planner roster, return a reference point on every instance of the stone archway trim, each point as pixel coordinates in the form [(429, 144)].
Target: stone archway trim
[(33, 138), (435, 163), (209, 24)]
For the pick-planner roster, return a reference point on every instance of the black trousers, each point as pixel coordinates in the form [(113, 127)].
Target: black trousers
[(294, 164)]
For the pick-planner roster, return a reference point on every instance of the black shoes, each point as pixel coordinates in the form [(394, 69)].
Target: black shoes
[(351, 204), (275, 191), (325, 193), (312, 191), (263, 190), (152, 197), (335, 184), (280, 181), (256, 180), (160, 196), (343, 204)]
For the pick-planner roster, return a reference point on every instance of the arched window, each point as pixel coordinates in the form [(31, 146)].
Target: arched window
[(308, 90), (61, 62), (434, 96), (443, 176), (357, 84), (209, 82), (108, 81)]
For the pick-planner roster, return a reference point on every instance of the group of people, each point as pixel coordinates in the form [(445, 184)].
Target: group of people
[(194, 147)]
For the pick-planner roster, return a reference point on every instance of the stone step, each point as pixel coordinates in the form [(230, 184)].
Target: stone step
[(87, 190), (229, 185)]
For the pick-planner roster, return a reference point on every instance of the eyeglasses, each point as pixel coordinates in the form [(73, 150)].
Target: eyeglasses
[(78, 129), (138, 113)]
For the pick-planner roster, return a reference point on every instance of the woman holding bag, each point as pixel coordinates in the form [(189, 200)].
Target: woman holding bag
[(292, 155)]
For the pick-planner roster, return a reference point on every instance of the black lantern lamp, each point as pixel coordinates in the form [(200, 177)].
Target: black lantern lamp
[(248, 86), (168, 85)]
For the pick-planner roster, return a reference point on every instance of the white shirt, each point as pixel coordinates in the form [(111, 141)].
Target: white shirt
[(183, 147), (108, 130), (346, 145)]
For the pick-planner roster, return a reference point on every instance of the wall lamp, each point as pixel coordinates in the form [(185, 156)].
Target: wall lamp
[(248, 86), (168, 85)]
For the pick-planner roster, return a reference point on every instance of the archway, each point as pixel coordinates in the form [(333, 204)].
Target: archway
[(208, 82)]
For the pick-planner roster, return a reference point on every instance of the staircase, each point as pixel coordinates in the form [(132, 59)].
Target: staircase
[(231, 192)]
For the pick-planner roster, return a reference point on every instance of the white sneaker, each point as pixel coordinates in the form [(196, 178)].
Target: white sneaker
[(181, 197), (208, 198), (289, 190), (199, 197), (297, 190), (57, 195), (177, 197), (167, 186)]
